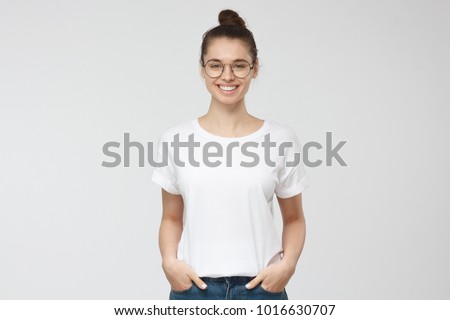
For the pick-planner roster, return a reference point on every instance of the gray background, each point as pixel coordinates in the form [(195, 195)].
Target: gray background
[(75, 75)]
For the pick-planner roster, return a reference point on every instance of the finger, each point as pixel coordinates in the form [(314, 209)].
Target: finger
[(196, 279), (199, 282), (254, 282)]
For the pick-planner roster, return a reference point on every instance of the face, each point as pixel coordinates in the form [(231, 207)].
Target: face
[(227, 51)]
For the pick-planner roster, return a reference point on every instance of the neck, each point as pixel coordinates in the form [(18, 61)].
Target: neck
[(227, 116)]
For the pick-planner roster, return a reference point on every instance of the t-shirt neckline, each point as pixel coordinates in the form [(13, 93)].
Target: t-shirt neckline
[(208, 134)]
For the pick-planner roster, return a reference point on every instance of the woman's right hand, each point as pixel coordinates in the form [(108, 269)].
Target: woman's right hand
[(181, 276)]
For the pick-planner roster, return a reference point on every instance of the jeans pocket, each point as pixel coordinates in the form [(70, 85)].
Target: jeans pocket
[(269, 292), (183, 291)]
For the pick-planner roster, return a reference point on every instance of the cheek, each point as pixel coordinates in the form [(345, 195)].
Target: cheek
[(211, 87), (245, 87)]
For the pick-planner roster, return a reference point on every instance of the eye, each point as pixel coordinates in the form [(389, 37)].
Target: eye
[(215, 66), (240, 66)]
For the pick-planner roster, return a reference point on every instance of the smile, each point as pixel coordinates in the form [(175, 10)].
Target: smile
[(227, 89)]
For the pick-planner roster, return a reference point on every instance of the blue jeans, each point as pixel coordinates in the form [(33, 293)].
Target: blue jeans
[(227, 288)]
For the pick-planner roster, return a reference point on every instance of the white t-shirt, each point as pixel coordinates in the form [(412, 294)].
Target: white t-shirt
[(228, 225)]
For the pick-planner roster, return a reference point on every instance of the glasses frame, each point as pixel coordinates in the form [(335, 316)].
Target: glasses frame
[(229, 64)]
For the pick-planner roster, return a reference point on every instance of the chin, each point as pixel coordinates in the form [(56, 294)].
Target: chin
[(229, 101)]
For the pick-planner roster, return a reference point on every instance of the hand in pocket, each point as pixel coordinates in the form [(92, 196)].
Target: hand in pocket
[(181, 276)]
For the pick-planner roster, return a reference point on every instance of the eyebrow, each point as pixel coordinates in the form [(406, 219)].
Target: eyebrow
[(237, 60)]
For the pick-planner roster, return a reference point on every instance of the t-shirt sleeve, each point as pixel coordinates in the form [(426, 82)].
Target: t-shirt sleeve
[(165, 175), (292, 177)]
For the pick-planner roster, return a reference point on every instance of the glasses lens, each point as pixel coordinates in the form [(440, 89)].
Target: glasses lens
[(241, 69), (213, 68)]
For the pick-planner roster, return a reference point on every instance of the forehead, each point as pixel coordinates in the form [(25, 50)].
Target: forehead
[(227, 50)]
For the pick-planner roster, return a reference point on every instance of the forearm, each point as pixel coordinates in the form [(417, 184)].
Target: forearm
[(276, 275), (169, 237), (293, 238)]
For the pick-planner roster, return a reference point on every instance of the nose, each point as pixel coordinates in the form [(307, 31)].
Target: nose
[(227, 73)]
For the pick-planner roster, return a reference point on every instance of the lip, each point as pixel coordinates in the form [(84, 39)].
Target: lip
[(228, 85)]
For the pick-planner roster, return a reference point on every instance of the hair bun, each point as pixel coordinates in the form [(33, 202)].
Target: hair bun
[(230, 17)]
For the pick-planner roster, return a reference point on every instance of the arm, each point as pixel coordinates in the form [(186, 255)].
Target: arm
[(179, 274), (294, 229), (171, 225), (275, 277)]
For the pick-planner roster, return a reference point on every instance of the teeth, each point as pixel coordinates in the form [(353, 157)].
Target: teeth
[(227, 88)]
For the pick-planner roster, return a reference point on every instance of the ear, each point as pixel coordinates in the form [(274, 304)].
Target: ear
[(202, 72), (202, 69), (255, 68)]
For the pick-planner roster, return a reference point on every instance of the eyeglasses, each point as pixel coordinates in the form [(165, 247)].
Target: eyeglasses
[(240, 68)]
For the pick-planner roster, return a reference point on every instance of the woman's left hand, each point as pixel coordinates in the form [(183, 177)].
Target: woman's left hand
[(274, 277)]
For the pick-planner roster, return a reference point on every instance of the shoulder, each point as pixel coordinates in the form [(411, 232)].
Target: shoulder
[(183, 128), (281, 131)]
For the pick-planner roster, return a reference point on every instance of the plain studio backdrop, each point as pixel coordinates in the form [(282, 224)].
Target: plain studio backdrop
[(76, 75)]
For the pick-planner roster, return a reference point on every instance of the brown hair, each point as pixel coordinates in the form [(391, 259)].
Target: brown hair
[(231, 26)]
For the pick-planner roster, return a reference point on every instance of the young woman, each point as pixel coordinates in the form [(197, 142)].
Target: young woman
[(217, 237)]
